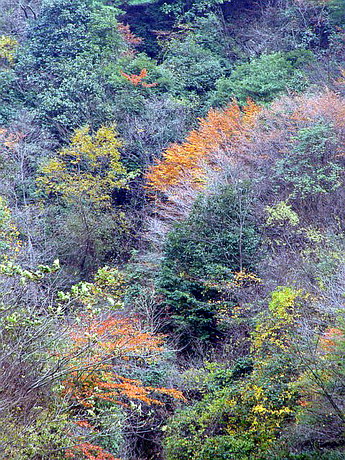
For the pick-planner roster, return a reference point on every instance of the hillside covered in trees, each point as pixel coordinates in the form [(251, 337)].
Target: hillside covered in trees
[(172, 214)]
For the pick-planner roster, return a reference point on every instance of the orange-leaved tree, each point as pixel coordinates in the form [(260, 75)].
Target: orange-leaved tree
[(90, 452), (195, 155), (104, 342), (137, 80), (10, 139), (129, 37), (102, 345), (186, 169)]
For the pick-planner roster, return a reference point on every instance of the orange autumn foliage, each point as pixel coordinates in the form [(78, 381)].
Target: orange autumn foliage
[(10, 140), (100, 346), (137, 80), (330, 338), (84, 424), (129, 37), (231, 145), (212, 134), (90, 452)]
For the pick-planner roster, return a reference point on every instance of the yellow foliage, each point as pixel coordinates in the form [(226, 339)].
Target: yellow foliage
[(272, 332), (89, 169), (10, 243), (244, 277), (280, 214), (8, 46), (282, 302), (256, 414)]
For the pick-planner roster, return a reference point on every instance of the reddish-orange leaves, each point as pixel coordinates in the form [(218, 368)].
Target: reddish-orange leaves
[(129, 37), (100, 347), (330, 338), (90, 452), (213, 133), (84, 424), (87, 387), (137, 80), (10, 140), (114, 334)]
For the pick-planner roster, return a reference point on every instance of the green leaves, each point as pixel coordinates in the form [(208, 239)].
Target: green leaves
[(337, 12), (313, 167), (262, 79), (189, 10), (242, 407), (61, 68), (216, 240)]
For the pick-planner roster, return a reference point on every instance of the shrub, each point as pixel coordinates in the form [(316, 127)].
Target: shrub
[(311, 168), (262, 79)]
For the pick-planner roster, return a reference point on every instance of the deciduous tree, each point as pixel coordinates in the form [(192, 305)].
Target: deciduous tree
[(82, 179)]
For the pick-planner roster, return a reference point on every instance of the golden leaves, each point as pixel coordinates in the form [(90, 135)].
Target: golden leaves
[(195, 154), (88, 169), (8, 46)]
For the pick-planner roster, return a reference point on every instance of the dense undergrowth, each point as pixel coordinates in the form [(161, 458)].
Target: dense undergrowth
[(172, 229)]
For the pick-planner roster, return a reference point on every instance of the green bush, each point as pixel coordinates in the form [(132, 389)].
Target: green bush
[(197, 60), (189, 10), (262, 79), (242, 410), (312, 167), (194, 67), (314, 455), (9, 98), (45, 438), (199, 432)]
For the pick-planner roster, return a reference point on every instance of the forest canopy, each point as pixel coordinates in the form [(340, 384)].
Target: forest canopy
[(172, 229)]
